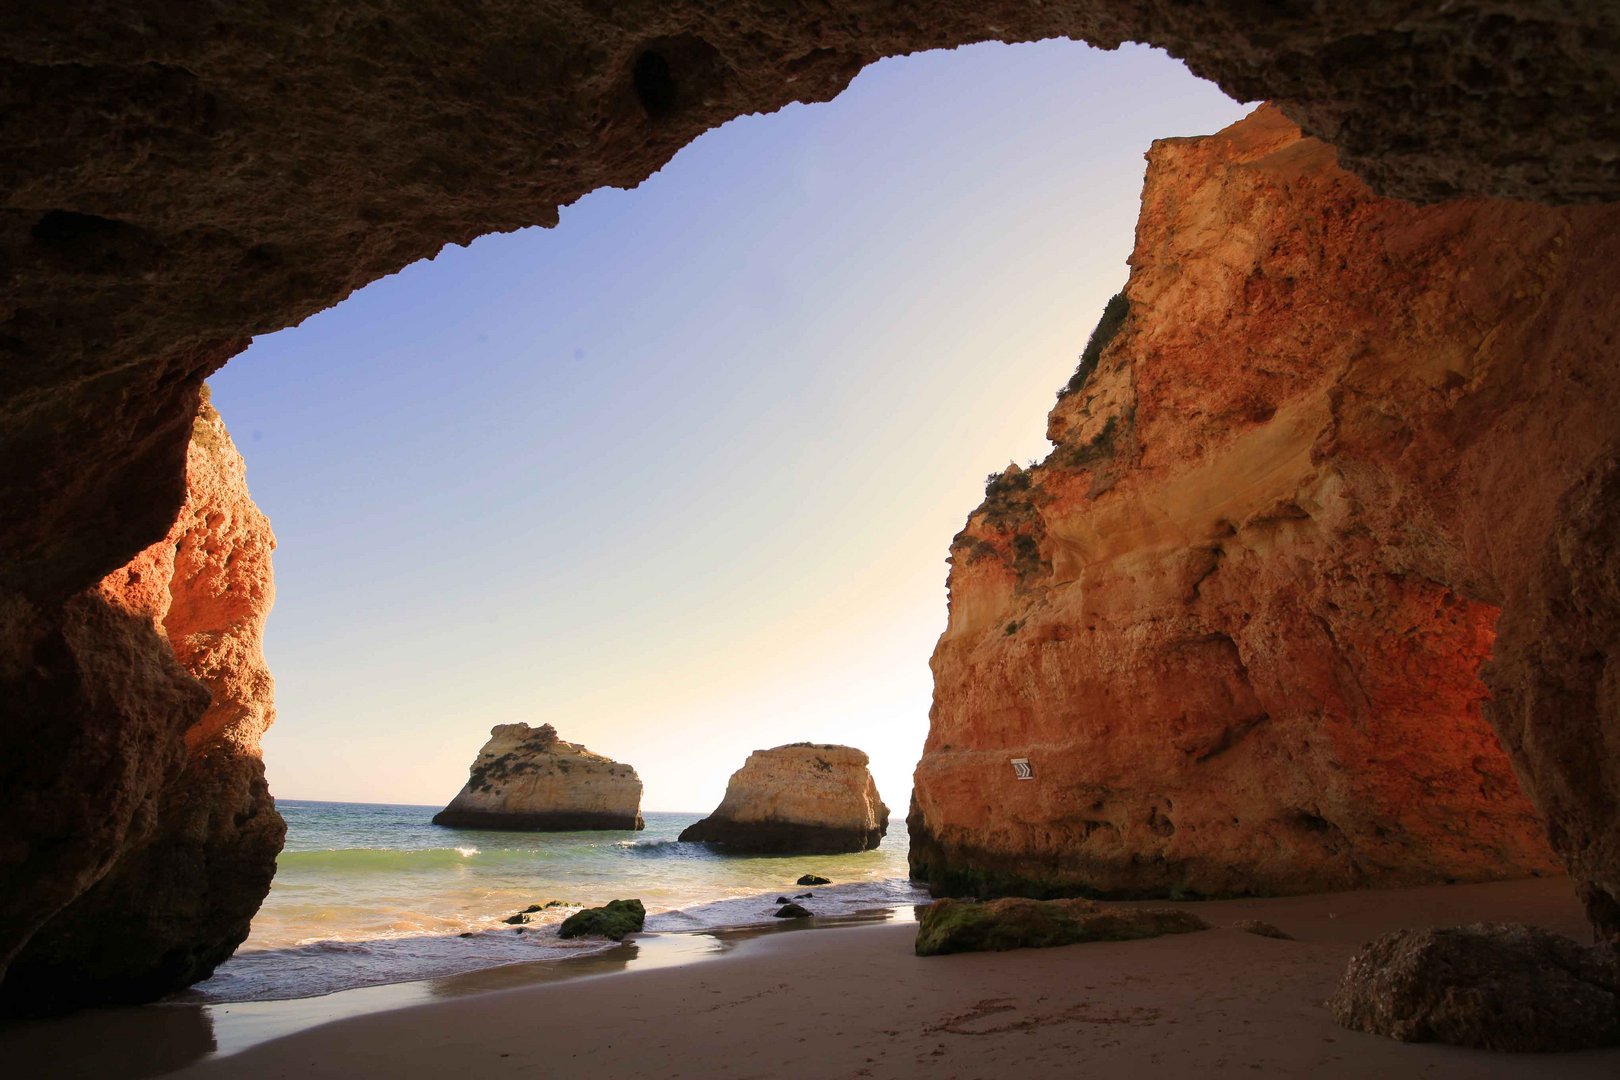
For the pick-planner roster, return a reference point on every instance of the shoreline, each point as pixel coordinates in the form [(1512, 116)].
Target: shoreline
[(773, 1001)]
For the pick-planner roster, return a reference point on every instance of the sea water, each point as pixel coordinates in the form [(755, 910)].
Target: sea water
[(369, 894)]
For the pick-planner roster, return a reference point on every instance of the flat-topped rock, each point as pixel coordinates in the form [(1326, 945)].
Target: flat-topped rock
[(529, 778), (800, 798)]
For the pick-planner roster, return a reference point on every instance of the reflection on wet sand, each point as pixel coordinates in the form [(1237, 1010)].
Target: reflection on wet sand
[(146, 1041), (126, 1044)]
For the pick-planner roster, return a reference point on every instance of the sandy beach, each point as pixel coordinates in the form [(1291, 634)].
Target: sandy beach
[(855, 1002)]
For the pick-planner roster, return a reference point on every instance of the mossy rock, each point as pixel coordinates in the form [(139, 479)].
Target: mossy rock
[(952, 926), (812, 879), (613, 920)]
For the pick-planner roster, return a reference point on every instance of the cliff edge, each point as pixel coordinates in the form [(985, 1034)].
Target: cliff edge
[(172, 645), (1234, 625)]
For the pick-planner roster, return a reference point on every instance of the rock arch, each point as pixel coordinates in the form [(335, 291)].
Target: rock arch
[(174, 186)]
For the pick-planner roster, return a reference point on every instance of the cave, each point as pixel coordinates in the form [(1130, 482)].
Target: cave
[(177, 186)]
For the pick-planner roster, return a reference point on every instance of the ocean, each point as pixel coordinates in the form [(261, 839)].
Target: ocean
[(367, 895)]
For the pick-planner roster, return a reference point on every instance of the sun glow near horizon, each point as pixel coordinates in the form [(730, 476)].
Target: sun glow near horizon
[(680, 475)]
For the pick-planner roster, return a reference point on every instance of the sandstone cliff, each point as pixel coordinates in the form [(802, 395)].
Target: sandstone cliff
[(1236, 621), (528, 778), (181, 627), (799, 798)]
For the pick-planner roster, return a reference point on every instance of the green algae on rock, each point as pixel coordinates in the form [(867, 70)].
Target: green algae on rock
[(613, 920), (952, 926)]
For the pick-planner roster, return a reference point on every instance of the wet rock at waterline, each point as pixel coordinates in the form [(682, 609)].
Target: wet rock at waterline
[(953, 926), (803, 798), (530, 779), (792, 911), (1495, 986), (615, 920), (812, 879)]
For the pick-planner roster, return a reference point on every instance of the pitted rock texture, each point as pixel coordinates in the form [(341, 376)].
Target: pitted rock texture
[(167, 677), (1237, 619), (803, 798), (528, 778), (1494, 986)]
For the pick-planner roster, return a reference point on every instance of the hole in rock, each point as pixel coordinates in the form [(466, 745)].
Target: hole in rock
[(86, 240), (655, 83)]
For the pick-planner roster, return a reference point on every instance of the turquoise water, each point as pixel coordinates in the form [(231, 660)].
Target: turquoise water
[(367, 894)]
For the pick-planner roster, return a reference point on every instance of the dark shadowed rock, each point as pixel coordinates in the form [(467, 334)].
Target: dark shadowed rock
[(1495, 986), (792, 911), (812, 879), (1263, 929), (953, 926)]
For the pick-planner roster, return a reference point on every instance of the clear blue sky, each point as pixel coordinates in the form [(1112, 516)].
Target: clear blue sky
[(680, 475)]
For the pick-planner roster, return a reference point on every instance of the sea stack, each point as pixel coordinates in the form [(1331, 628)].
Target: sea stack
[(803, 798), (528, 778)]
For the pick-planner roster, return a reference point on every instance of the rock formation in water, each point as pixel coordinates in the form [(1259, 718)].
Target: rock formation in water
[(803, 798), (528, 778), (1236, 621), (170, 895)]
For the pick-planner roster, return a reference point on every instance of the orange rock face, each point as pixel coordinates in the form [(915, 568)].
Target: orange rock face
[(1236, 621), (175, 890)]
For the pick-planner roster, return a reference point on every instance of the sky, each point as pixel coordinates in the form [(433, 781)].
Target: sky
[(680, 475)]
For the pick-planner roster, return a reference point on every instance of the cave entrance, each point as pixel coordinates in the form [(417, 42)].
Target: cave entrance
[(664, 467)]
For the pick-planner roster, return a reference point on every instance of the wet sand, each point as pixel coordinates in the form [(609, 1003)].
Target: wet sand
[(855, 1002)]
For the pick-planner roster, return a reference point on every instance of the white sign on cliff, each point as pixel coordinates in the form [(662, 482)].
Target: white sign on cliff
[(1021, 769)]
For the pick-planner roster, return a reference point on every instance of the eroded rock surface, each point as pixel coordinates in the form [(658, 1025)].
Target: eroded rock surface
[(953, 926), (529, 778), (1236, 620), (801, 798), (166, 687), (1496, 986)]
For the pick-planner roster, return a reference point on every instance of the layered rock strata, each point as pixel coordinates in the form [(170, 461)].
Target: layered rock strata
[(1237, 621), (803, 798), (529, 778), (163, 666)]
